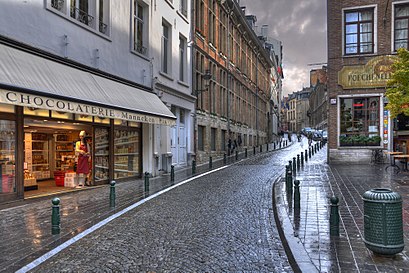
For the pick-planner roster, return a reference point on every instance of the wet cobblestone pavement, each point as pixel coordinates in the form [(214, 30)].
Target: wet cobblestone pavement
[(310, 225), (220, 222)]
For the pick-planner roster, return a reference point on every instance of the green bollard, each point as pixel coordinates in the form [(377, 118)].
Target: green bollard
[(193, 166), (297, 194), (210, 162), (237, 155), (112, 194), (146, 182), (334, 217), (172, 173), (224, 159), (55, 216), (245, 153)]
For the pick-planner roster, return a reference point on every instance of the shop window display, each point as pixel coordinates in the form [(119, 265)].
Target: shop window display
[(126, 145), (7, 156), (360, 122)]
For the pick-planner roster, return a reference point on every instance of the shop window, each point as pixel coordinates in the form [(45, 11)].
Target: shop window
[(134, 124), (101, 120), (120, 122), (61, 115), (126, 153), (6, 108), (36, 112), (7, 156), (360, 122), (101, 154)]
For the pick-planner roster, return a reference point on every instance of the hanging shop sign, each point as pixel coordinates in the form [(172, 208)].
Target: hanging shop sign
[(35, 101), (375, 73)]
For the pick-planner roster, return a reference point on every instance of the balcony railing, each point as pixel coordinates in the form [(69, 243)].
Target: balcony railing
[(102, 27), (82, 16), (140, 49), (57, 4)]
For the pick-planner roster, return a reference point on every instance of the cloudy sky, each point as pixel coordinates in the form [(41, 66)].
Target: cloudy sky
[(301, 26)]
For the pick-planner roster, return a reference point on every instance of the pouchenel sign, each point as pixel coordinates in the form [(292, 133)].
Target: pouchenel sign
[(35, 101), (375, 73)]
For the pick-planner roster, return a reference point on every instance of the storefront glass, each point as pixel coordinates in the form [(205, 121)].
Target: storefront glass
[(127, 153), (7, 156), (359, 121), (101, 154)]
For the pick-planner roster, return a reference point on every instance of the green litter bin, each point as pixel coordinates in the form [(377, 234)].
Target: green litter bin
[(383, 226)]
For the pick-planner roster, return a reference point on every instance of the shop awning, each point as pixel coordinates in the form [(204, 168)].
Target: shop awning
[(74, 90)]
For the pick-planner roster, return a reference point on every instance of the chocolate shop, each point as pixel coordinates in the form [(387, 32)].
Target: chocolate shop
[(62, 128)]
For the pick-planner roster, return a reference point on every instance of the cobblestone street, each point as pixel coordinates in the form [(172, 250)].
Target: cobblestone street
[(221, 222)]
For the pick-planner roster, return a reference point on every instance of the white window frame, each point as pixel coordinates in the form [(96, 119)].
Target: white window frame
[(64, 10), (393, 23), (375, 30), (166, 48), (182, 59), (143, 49)]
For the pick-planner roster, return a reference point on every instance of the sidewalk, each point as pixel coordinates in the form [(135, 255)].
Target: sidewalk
[(305, 233)]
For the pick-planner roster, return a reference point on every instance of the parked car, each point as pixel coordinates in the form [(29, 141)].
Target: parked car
[(316, 136), (324, 135)]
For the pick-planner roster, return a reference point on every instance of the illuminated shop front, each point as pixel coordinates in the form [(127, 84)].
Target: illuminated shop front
[(41, 120)]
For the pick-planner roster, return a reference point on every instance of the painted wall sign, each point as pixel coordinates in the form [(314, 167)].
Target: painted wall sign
[(375, 73), (35, 101)]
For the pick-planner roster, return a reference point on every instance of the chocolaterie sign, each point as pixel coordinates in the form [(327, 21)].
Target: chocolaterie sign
[(36, 101)]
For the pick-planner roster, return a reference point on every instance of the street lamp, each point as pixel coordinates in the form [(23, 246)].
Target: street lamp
[(207, 77)]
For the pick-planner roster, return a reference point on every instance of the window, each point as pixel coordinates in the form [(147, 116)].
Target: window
[(200, 137), (139, 27), (165, 47), (359, 31), (92, 13), (212, 22), (199, 16), (182, 58), (183, 7), (359, 121), (7, 156), (401, 26)]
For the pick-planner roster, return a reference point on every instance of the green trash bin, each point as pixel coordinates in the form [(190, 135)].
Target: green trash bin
[(383, 226)]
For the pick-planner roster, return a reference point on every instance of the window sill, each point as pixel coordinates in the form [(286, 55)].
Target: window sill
[(170, 3), (183, 16), (140, 55), (169, 77), (359, 55), (185, 84)]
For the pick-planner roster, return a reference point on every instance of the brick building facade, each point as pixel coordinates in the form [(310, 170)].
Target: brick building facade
[(362, 39), (234, 103)]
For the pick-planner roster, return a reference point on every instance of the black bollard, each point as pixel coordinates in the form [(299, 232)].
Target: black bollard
[(193, 166), (309, 152), (298, 161), (267, 147), (294, 164), (274, 145), (254, 150), (55, 216), (302, 158), (334, 217), (245, 153), (146, 182), (296, 194), (210, 162), (237, 155), (286, 174), (224, 159), (261, 148), (172, 173), (306, 155), (289, 181), (112, 194)]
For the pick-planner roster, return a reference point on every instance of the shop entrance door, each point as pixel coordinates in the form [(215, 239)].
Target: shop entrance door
[(182, 146)]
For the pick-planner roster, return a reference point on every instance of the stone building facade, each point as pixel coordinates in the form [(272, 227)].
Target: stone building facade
[(362, 41), (231, 79)]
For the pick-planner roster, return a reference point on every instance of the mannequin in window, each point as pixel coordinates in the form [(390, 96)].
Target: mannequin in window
[(83, 156)]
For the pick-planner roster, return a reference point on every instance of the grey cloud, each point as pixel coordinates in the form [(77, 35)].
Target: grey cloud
[(301, 26)]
